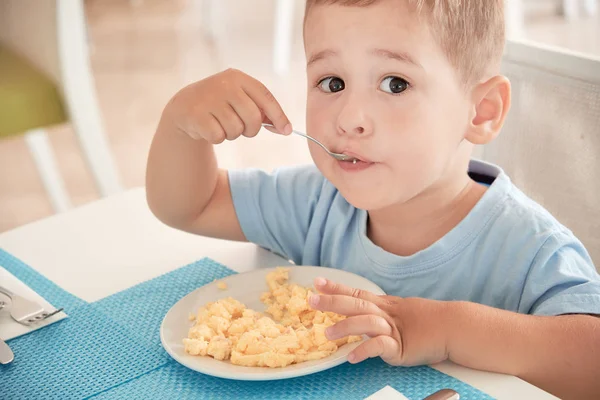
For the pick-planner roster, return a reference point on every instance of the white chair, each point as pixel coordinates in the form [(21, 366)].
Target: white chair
[(550, 145), (51, 35)]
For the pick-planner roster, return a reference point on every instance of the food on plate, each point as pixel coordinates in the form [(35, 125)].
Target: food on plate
[(291, 333)]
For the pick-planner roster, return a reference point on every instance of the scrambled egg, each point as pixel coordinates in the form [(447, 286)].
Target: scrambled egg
[(227, 330)]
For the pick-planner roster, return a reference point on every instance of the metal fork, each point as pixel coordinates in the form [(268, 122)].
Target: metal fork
[(25, 311), (337, 156)]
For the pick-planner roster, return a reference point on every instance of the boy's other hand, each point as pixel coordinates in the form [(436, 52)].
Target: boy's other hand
[(402, 331), (226, 106)]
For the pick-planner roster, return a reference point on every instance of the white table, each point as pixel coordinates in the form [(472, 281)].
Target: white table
[(115, 243)]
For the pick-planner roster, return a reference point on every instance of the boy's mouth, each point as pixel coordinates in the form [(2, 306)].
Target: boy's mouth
[(356, 163), (356, 158)]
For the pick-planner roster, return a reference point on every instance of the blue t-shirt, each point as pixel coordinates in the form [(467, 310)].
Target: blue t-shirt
[(508, 252)]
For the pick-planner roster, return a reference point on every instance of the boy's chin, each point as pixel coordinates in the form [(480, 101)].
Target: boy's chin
[(367, 198), (363, 201)]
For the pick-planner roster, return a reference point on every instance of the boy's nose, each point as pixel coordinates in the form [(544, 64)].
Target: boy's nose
[(353, 120), (356, 127)]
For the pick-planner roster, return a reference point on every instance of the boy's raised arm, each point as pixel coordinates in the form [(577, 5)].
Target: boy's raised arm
[(184, 186)]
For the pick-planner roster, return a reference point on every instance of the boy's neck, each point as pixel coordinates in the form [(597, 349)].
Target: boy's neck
[(408, 228)]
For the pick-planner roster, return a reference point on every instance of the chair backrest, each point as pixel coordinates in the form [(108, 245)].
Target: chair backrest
[(550, 145), (52, 35)]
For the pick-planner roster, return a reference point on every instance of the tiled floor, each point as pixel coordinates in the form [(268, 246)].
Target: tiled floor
[(145, 50)]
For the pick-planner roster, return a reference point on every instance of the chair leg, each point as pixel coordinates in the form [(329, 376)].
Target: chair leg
[(39, 146), (80, 95), (283, 36)]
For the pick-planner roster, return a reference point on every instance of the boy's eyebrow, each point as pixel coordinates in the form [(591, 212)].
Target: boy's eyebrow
[(398, 56), (320, 55), (392, 55)]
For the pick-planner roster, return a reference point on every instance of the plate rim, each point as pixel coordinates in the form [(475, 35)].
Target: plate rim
[(257, 377)]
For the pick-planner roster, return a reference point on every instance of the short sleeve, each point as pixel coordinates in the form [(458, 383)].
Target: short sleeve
[(275, 209), (562, 280)]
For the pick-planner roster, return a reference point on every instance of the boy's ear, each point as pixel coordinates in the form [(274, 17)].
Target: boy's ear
[(491, 102)]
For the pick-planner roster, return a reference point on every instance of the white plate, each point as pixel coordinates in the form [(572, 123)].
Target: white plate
[(247, 288)]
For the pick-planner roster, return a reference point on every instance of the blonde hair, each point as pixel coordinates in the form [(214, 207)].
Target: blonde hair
[(470, 32)]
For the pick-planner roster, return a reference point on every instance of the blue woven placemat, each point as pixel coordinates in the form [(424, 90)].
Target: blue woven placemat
[(78, 357), (111, 349), (346, 382)]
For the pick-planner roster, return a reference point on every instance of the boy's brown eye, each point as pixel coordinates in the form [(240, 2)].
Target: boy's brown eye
[(394, 85), (332, 84)]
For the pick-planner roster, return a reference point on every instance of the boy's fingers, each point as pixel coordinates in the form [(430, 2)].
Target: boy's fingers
[(248, 112), (269, 105), (266, 120), (230, 121), (344, 305), (370, 325), (216, 131), (326, 286), (382, 346)]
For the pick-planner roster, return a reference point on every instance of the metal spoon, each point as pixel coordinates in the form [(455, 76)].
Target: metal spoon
[(337, 156)]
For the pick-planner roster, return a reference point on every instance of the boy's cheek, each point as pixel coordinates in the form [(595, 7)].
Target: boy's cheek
[(320, 124)]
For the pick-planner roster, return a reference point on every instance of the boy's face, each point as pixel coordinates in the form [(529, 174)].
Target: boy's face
[(382, 90)]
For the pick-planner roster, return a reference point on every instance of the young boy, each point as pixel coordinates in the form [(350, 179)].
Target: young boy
[(475, 271)]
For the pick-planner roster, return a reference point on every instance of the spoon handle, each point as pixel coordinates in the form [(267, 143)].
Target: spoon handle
[(313, 139), (340, 157), (304, 135)]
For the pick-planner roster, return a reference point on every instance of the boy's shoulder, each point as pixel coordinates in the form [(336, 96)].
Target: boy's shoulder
[(511, 205), (521, 236), (525, 220), (531, 216), (522, 249)]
